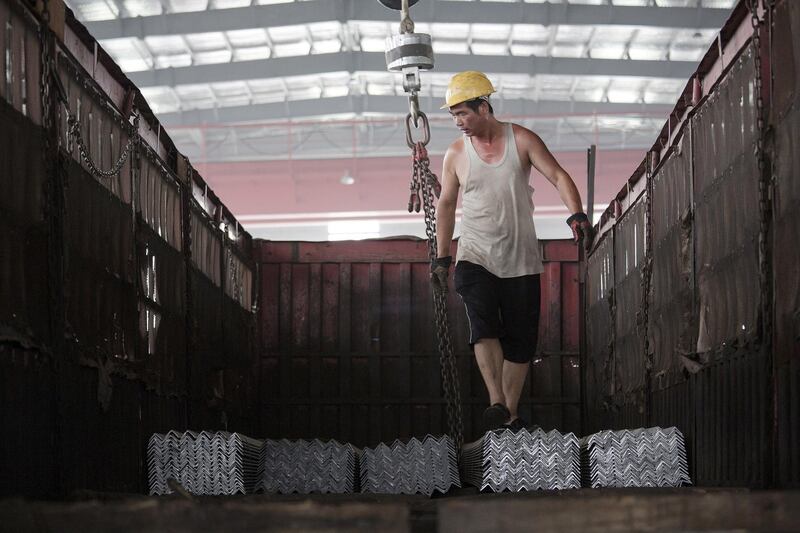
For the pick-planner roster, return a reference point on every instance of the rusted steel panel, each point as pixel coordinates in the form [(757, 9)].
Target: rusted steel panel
[(28, 460), (350, 348), (674, 406), (786, 233), (727, 212), (600, 380), (100, 270), (159, 198), (206, 249), (19, 46), (23, 245), (732, 407), (629, 254), (101, 129), (162, 311), (672, 324), (207, 319)]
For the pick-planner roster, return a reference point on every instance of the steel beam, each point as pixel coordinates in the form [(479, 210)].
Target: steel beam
[(545, 14), (375, 62), (393, 105)]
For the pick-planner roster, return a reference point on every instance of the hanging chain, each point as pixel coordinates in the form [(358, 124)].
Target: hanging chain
[(763, 176), (46, 69), (74, 133), (424, 185), (647, 276)]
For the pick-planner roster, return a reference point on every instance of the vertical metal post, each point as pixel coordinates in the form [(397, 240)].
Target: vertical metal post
[(590, 163), (583, 270)]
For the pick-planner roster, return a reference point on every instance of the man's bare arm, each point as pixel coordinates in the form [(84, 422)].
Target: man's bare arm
[(446, 208), (544, 162)]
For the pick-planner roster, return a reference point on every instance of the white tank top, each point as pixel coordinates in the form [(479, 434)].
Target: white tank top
[(497, 230)]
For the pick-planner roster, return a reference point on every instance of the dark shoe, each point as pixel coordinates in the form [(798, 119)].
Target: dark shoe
[(518, 424), (495, 416)]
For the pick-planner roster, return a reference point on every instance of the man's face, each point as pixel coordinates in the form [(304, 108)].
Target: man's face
[(467, 120)]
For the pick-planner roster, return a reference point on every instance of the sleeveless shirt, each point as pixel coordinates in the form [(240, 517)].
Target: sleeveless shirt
[(497, 230)]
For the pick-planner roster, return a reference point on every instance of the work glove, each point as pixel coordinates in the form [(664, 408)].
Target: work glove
[(440, 271), (581, 229)]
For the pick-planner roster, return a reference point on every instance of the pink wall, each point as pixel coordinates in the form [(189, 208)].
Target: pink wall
[(312, 186)]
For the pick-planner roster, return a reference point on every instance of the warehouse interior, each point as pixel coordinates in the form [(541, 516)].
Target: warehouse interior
[(207, 228)]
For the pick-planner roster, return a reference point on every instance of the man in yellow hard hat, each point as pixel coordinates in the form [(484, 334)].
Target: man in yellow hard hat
[(498, 262)]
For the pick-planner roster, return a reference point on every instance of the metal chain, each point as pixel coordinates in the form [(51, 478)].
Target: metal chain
[(46, 69), (647, 274), (763, 178), (424, 183), (74, 133)]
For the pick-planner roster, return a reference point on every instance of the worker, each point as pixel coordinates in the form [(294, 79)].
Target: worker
[(499, 261)]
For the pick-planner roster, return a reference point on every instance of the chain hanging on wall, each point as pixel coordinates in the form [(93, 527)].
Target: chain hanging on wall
[(424, 185), (647, 275), (764, 177), (75, 131), (74, 134)]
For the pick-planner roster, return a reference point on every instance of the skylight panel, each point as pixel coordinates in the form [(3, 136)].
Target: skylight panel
[(251, 53), (442, 46), (215, 56), (301, 48), (245, 38), (201, 42)]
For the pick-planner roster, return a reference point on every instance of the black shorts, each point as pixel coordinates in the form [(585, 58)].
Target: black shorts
[(501, 308)]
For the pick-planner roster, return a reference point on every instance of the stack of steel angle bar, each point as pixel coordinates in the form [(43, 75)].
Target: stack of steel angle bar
[(304, 467), (652, 457), (526, 460), (413, 467), (203, 463)]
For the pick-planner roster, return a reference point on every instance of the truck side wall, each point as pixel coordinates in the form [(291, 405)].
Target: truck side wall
[(700, 351), (349, 344), (115, 323)]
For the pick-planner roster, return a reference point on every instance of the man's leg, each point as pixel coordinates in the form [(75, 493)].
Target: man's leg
[(514, 375), (489, 355)]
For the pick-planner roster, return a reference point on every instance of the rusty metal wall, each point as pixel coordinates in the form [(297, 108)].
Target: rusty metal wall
[(726, 213), (349, 346), (714, 373), (629, 361), (672, 297), (104, 297), (600, 380), (19, 61), (786, 236)]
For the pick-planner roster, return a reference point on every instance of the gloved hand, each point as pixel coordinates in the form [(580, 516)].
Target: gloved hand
[(581, 229), (440, 271)]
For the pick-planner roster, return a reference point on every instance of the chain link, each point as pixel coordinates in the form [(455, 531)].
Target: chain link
[(74, 133), (647, 275), (763, 177), (424, 183)]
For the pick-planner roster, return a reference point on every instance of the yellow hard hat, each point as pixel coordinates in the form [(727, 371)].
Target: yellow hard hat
[(466, 86)]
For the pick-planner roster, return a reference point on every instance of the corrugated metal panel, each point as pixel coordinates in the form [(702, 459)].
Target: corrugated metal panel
[(672, 297), (129, 305), (23, 228), (629, 252), (600, 380), (159, 198), (786, 235), (19, 61), (732, 406), (101, 295), (739, 406), (349, 347), (726, 212), (28, 461)]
